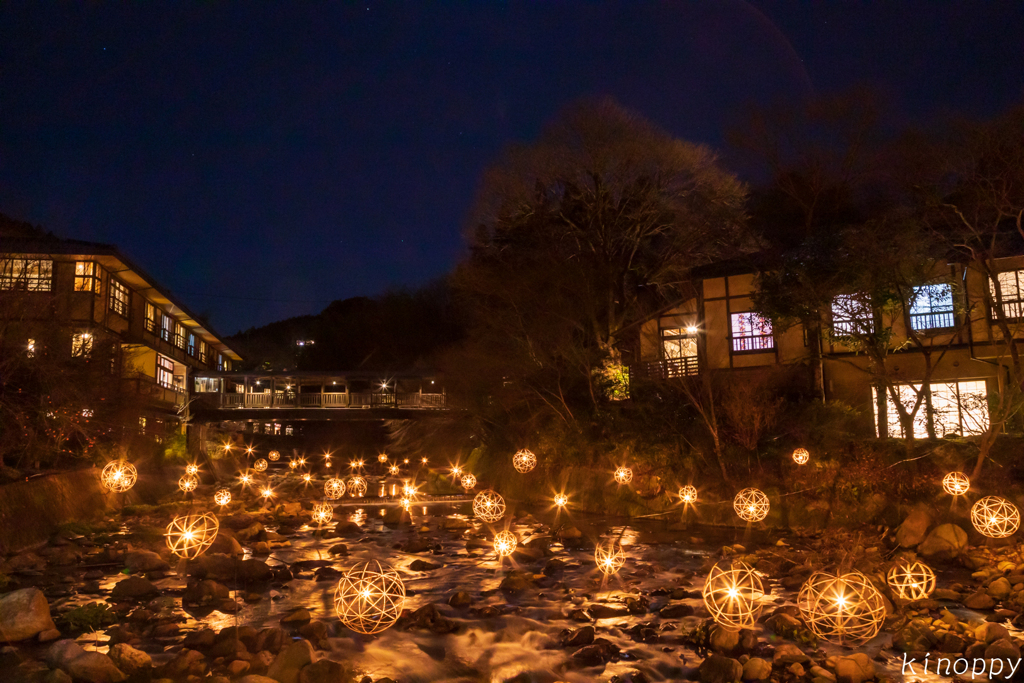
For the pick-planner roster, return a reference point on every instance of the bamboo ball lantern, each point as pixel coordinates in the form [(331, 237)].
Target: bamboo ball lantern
[(267, 492), (260, 465), (118, 476), (356, 487), (623, 475), (561, 500), (609, 556), (688, 494), (189, 536), (406, 503), (801, 456), (489, 506), (369, 597), (524, 460), (995, 517), (323, 513), (383, 457), (843, 609), (222, 497), (334, 488), (409, 490), (751, 505), (188, 483), (456, 470), (393, 470), (734, 596), (192, 469), (293, 464), (911, 581), (468, 481), (274, 456), (956, 483), (505, 543), (245, 479)]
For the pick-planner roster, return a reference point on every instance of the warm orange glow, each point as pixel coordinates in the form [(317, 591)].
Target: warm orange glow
[(468, 481), (369, 597), (274, 456), (505, 543), (489, 506), (561, 500), (801, 456), (383, 457), (222, 497), (189, 536), (393, 470), (188, 483), (356, 487), (623, 475), (118, 476), (911, 580), (260, 465), (688, 494), (192, 469), (267, 492), (956, 483), (322, 513), (844, 609), (334, 488), (995, 517), (609, 556), (734, 596), (524, 460), (751, 505)]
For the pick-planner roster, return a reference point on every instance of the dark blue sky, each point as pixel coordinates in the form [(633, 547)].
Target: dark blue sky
[(305, 152)]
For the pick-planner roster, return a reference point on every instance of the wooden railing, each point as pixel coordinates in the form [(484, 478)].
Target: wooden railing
[(667, 368), (331, 400)]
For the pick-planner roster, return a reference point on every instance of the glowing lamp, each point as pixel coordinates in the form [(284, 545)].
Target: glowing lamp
[(393, 470), (307, 477), (245, 478), (623, 475), (118, 476), (274, 455), (456, 470), (489, 506), (409, 490), (383, 457), (322, 513), (561, 500), (192, 469), (995, 517), (609, 556), (292, 464), (751, 505), (688, 494), (356, 487), (222, 497), (189, 536), (801, 456), (267, 492), (369, 597), (406, 503), (468, 481), (956, 483), (260, 465), (505, 543), (334, 488), (188, 483), (911, 581), (524, 460), (734, 597), (843, 609)]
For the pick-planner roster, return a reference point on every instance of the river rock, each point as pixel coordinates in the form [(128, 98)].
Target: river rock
[(299, 615), (1002, 649), (255, 678), (254, 571), (945, 542), (516, 582), (719, 669), (602, 611), (914, 528), (94, 667), (577, 638), (999, 589), (455, 523), (290, 661), (787, 653), (142, 561), (598, 652), (990, 632), (226, 544), (324, 671), (205, 592), (980, 600), (855, 668), (24, 613), (133, 588), (756, 669), (460, 599), (129, 660), (724, 641), (423, 566)]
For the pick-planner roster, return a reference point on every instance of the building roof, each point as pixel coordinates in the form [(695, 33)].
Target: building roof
[(115, 262)]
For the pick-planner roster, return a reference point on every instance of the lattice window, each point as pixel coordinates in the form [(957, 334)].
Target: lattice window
[(119, 298), (87, 277), (932, 307), (751, 332), (27, 275)]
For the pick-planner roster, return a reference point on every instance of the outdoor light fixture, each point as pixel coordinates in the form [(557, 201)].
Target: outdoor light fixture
[(995, 517), (260, 465), (267, 492), (334, 488), (468, 481), (189, 536), (192, 469), (623, 475), (307, 477), (524, 461), (911, 581), (188, 483), (393, 470), (322, 513), (383, 457), (456, 470), (118, 476), (609, 556), (369, 597), (489, 506), (505, 543), (245, 479), (424, 461), (956, 483), (844, 609), (222, 497), (356, 487), (751, 505), (561, 500), (801, 456), (734, 596), (274, 455), (688, 494)]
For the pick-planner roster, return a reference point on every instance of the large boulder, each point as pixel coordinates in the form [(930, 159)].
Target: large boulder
[(226, 544), (914, 528), (945, 542), (142, 561), (719, 669), (855, 668), (24, 614), (290, 661), (129, 660), (133, 588), (756, 669), (91, 667)]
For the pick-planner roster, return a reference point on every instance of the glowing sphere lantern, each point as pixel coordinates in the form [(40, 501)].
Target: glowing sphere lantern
[(383, 457), (489, 506), (801, 456), (524, 460), (751, 505), (260, 465), (609, 556), (369, 597), (623, 475), (293, 464), (118, 476), (356, 487), (688, 494), (561, 500), (995, 517), (267, 492), (393, 470), (505, 543), (188, 483), (468, 481), (911, 580), (274, 456), (956, 483), (334, 488), (192, 469), (222, 497), (734, 597), (322, 513), (844, 609), (189, 536)]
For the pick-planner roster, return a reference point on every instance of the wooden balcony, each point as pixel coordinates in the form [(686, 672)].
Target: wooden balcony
[(666, 368)]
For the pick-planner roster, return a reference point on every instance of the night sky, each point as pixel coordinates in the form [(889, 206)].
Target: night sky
[(263, 159)]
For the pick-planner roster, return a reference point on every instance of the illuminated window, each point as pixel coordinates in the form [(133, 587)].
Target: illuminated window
[(206, 385), (165, 371), (679, 351), (27, 275), (227, 365), (277, 429), (1011, 289), (957, 407), (30, 348), (179, 336), (81, 345), (255, 427), (202, 351), (86, 412), (191, 344), (751, 332), (87, 277), (851, 315), (288, 430), (152, 318), (142, 425), (220, 362), (932, 307), (118, 298), (166, 327)]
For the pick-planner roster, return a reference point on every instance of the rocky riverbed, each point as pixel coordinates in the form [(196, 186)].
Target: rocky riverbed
[(109, 603)]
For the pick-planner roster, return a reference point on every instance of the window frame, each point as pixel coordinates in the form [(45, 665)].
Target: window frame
[(1017, 302), (152, 319), (165, 372), (114, 302), (81, 344), (741, 340), (680, 365), (87, 281), (852, 324), (931, 314), (23, 280), (178, 340), (166, 327)]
